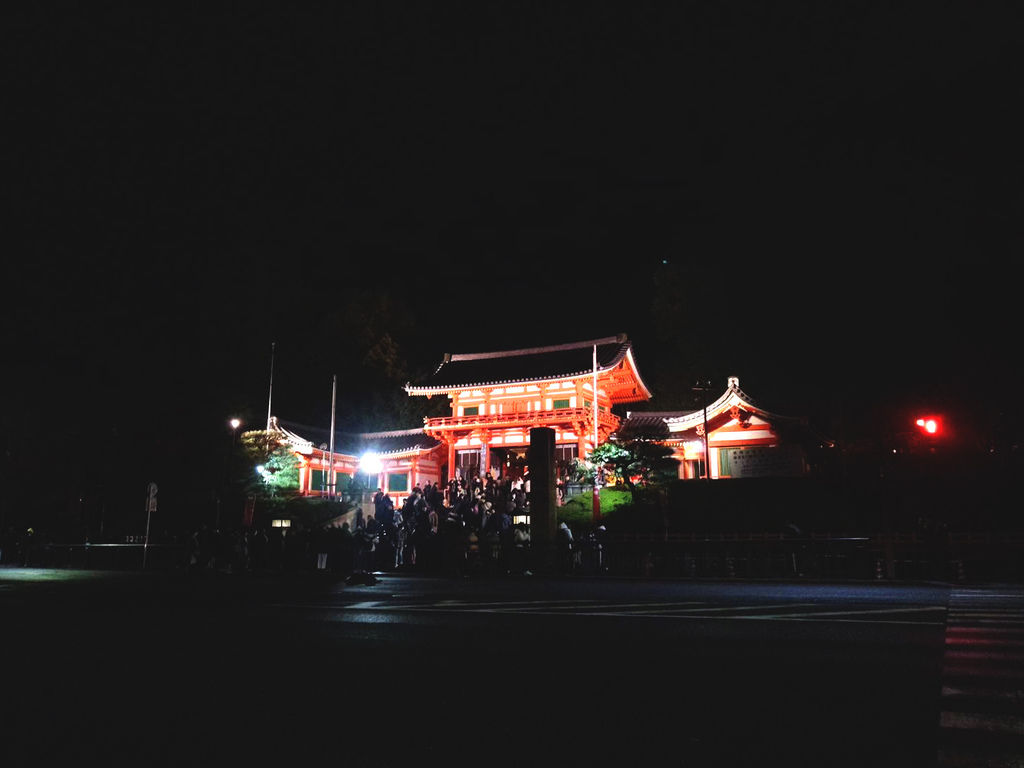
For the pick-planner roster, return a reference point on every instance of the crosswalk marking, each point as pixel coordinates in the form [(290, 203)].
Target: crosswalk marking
[(977, 691), (982, 700), (980, 721)]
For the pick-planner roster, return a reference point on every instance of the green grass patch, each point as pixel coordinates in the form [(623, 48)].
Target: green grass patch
[(578, 511)]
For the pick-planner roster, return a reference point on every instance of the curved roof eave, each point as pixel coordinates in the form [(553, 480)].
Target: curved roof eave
[(693, 419), (413, 390), (733, 395), (501, 382), (636, 374), (625, 349)]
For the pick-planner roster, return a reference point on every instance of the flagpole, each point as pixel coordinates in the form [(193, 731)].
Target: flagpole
[(330, 464), (271, 395), (597, 490), (703, 387)]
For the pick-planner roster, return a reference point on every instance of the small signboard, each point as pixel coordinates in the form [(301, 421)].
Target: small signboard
[(764, 461)]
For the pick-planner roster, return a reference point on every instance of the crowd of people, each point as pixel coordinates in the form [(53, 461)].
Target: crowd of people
[(460, 529)]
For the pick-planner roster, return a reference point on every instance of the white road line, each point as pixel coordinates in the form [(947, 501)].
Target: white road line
[(558, 606), (1010, 613), (711, 614), (977, 691), (817, 614), (969, 594), (983, 721), (983, 642), (988, 655), (808, 618), (666, 610), (471, 603), (971, 669), (547, 607), (987, 622), (986, 631)]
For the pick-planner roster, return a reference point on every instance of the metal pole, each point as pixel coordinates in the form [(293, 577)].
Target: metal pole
[(271, 395), (231, 455), (703, 388), (707, 453), (145, 544), (330, 464), (597, 472), (150, 503)]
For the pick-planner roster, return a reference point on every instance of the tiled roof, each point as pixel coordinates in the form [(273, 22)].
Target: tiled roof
[(641, 418), (677, 422), (650, 425), (458, 371), (358, 443)]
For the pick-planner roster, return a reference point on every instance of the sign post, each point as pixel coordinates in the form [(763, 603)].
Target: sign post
[(150, 509)]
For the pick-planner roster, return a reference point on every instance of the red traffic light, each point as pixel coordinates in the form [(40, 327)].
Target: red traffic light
[(930, 425)]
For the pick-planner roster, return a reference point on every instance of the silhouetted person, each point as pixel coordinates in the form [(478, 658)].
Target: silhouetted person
[(566, 545)]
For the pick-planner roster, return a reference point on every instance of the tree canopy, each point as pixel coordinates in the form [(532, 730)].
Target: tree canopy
[(636, 463)]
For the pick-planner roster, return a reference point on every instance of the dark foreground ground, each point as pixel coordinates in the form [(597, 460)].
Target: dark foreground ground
[(211, 669)]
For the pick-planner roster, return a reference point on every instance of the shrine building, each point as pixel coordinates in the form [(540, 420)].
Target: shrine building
[(498, 397), (740, 438), (395, 460)]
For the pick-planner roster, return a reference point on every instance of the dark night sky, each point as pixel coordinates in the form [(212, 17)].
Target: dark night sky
[(840, 183)]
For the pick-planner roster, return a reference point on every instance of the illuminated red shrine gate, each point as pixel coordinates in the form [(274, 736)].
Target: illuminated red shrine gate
[(498, 397)]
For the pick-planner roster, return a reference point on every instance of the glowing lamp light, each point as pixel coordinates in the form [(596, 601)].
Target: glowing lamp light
[(370, 463), (930, 425)]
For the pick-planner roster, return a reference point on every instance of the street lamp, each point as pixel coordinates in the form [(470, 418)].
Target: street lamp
[(703, 387), (371, 464), (234, 423)]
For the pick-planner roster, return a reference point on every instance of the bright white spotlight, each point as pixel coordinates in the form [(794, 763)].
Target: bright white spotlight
[(370, 463)]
